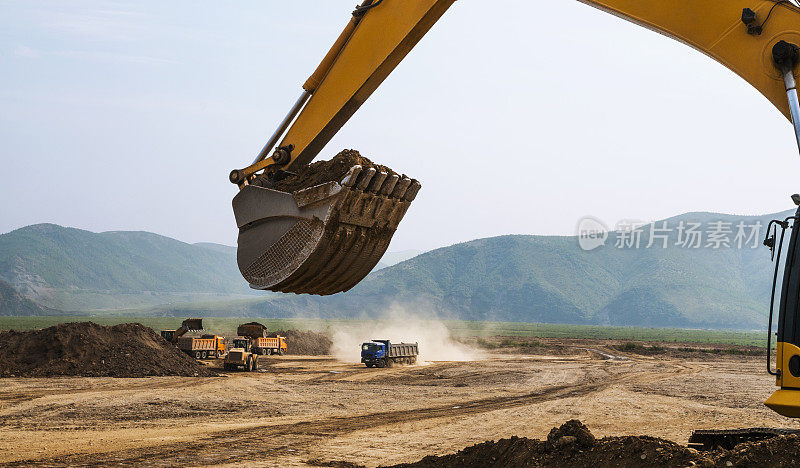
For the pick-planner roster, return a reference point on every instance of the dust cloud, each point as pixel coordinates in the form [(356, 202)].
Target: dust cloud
[(435, 341)]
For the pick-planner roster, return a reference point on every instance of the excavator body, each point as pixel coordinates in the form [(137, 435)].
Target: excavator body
[(786, 400)]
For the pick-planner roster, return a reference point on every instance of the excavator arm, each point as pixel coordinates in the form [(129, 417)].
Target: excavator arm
[(382, 32), (325, 239), (188, 325)]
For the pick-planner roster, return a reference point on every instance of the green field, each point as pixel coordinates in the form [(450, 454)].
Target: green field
[(227, 326), (547, 330)]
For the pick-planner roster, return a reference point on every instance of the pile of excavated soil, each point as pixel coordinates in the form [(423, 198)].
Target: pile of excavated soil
[(91, 350), (324, 171), (573, 445), (306, 343)]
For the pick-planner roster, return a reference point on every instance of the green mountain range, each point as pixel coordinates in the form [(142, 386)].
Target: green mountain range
[(14, 303), (552, 280), (76, 270), (674, 282)]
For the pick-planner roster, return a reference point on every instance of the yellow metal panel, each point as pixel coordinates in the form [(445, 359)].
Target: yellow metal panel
[(785, 402), (385, 34), (714, 27), (785, 353)]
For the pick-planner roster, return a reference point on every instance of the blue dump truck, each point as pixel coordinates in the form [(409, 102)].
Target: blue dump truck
[(383, 353)]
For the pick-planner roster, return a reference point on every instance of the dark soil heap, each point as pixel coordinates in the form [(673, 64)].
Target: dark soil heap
[(91, 350), (324, 171), (573, 445), (306, 343)]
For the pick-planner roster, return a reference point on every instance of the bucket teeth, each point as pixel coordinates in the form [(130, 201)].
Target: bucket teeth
[(365, 178), (412, 191), (401, 187), (350, 179), (389, 185), (323, 239), (377, 182)]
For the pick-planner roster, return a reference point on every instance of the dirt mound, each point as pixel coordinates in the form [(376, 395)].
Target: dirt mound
[(571, 433), (306, 343), (91, 350), (778, 451), (573, 445), (324, 171)]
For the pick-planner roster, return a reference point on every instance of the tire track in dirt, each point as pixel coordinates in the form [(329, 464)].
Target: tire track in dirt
[(9, 399), (255, 442), (262, 442)]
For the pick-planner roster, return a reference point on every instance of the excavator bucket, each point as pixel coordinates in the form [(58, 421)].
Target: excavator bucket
[(322, 239), (194, 324)]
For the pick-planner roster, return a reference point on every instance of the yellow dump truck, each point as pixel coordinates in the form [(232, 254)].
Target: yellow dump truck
[(205, 347), (270, 345)]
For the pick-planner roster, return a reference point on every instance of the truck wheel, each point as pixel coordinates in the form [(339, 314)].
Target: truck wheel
[(369, 364), (205, 355), (389, 362), (198, 355), (219, 354), (263, 351), (281, 352)]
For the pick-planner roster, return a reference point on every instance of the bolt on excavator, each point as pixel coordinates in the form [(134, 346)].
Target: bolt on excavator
[(324, 238)]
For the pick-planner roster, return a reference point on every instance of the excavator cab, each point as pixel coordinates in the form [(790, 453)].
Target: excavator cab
[(785, 401)]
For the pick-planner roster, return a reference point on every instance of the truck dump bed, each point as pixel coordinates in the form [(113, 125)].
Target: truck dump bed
[(269, 342), (189, 343), (403, 350)]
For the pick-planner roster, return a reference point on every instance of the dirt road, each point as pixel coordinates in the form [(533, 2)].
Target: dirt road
[(296, 410)]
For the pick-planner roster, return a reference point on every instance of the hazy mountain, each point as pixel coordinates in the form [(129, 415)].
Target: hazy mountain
[(226, 249), (551, 279), (393, 258), (510, 278), (72, 269), (14, 303)]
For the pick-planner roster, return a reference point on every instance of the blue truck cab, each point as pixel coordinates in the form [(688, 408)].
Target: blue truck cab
[(384, 353)]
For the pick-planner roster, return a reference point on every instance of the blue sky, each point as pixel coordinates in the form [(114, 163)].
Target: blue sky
[(517, 116)]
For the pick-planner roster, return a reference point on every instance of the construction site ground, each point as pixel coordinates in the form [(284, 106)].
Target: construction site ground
[(299, 410)]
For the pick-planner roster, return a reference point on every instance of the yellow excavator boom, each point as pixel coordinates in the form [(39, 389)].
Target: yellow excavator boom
[(377, 39), (324, 240)]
